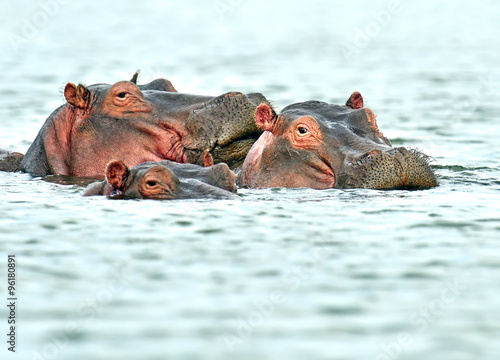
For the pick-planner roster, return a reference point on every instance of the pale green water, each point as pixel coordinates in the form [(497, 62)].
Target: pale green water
[(281, 274)]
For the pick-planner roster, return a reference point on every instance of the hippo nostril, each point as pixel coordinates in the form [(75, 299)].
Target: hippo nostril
[(403, 151), (399, 155), (402, 155)]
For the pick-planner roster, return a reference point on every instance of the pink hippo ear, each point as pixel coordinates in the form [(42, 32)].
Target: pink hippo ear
[(265, 117), (116, 173), (78, 96), (355, 101)]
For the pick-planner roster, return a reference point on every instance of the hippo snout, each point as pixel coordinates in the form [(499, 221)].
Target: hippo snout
[(397, 168)]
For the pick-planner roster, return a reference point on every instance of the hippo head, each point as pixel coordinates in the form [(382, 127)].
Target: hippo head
[(165, 180), (318, 145), (139, 123)]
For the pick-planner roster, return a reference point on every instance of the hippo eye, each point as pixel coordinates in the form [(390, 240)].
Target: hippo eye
[(302, 130), (122, 95), (151, 183)]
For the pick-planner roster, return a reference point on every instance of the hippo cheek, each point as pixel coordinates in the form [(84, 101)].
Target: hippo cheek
[(273, 162), (307, 170), (92, 151), (325, 178)]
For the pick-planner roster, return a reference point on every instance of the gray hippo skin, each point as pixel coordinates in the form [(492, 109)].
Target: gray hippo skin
[(318, 145), (165, 180), (139, 123)]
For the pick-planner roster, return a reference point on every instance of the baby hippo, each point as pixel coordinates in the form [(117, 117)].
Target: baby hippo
[(165, 180)]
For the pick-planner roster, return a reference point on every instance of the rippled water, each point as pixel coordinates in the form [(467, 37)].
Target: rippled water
[(279, 274)]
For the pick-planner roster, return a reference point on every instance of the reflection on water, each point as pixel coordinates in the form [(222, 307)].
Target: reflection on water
[(283, 273)]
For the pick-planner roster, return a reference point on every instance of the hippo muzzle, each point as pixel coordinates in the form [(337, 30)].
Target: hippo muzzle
[(397, 168)]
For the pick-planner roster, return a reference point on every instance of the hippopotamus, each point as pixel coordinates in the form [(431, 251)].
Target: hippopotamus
[(319, 145), (140, 123), (165, 180), (10, 161)]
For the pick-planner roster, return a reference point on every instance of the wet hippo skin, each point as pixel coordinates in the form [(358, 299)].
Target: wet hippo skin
[(165, 180), (139, 123), (318, 145)]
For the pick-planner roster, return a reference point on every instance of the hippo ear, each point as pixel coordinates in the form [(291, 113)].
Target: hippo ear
[(355, 101), (159, 84), (116, 173), (135, 77), (265, 117), (78, 96)]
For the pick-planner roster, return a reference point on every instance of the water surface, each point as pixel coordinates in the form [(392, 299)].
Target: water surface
[(281, 273)]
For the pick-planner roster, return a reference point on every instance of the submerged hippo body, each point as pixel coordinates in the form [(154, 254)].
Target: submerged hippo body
[(165, 180), (318, 145), (151, 122)]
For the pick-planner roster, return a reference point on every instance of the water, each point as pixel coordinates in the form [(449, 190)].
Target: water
[(288, 274)]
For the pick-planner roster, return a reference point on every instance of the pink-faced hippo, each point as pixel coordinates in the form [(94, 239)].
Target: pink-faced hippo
[(318, 145), (139, 123)]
